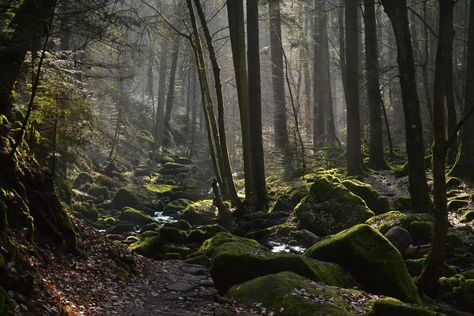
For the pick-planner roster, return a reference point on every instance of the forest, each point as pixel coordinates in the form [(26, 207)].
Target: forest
[(231, 157)]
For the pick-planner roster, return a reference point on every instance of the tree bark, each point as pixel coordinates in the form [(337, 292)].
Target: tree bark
[(376, 148), (428, 280), (354, 153), (418, 186)]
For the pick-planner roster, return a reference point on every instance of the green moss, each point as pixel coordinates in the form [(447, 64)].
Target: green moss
[(384, 222), (121, 228), (172, 234), (330, 207), (150, 247), (233, 266), (468, 217), (290, 294), (393, 307), (422, 232), (371, 259), (135, 217), (200, 213), (100, 192), (402, 203), (458, 291), (210, 246), (125, 197), (367, 193), (457, 204), (160, 188), (86, 211), (177, 206), (103, 180)]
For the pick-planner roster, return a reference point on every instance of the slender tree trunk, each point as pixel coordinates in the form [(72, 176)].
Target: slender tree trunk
[(235, 10), (428, 280), (464, 166), (258, 199), (451, 105), (354, 153), (171, 87), (418, 186), (376, 148), (342, 44), (279, 102), (160, 106), (319, 106), (230, 192)]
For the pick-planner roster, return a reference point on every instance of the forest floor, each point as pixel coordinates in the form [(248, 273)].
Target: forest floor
[(106, 279), (91, 285)]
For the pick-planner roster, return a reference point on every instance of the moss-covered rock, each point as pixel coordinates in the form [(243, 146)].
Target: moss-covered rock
[(457, 204), (99, 192), (81, 179), (422, 232), (415, 267), (160, 188), (402, 204), (290, 294), (174, 168), (176, 206), (458, 291), (108, 182), (125, 197), (468, 217), (330, 207), (136, 217), (172, 234), (121, 228), (384, 222), (180, 224), (150, 247), (88, 212), (213, 245), (233, 266), (200, 213), (367, 193), (371, 259), (392, 307)]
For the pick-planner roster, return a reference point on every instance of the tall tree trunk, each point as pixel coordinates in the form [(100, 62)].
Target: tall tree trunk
[(278, 80), (258, 199), (171, 87), (230, 191), (354, 153), (29, 25), (451, 105), (235, 11), (376, 148), (160, 106), (464, 166), (342, 44), (319, 106), (434, 264), (418, 186)]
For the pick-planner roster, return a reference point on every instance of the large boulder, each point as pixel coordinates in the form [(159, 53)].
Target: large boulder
[(366, 192), (174, 168), (242, 259), (200, 213), (330, 207), (135, 217), (290, 294), (400, 238), (371, 259), (125, 197)]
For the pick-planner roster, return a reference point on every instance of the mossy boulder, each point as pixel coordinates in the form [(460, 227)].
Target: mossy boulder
[(121, 228), (136, 217), (160, 188), (176, 206), (174, 168), (81, 179), (225, 240), (200, 213), (88, 212), (468, 217), (172, 234), (150, 247), (392, 307), (99, 192), (289, 294), (330, 207), (402, 204), (366, 192), (108, 182), (233, 266), (457, 204), (422, 232), (125, 197), (384, 222), (371, 259), (415, 267), (458, 290)]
